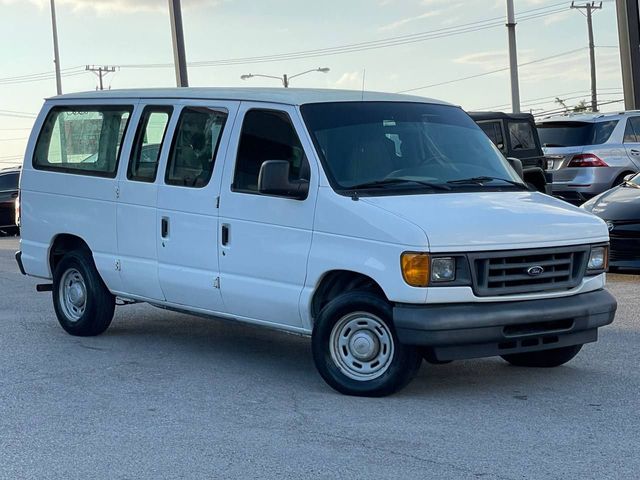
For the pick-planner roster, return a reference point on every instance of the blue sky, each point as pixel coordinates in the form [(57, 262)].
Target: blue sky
[(128, 32)]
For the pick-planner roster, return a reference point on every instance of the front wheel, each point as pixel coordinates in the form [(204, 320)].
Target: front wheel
[(83, 304), (544, 358), (356, 350)]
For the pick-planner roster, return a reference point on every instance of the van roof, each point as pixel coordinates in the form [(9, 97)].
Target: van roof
[(288, 96)]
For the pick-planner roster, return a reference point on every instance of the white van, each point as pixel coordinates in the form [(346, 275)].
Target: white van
[(387, 227)]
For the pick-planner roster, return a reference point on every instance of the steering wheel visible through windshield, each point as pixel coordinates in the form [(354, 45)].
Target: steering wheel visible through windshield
[(365, 145)]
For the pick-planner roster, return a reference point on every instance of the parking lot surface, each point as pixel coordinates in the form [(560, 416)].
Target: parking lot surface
[(166, 395)]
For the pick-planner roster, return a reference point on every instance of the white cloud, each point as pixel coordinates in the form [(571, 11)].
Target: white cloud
[(129, 6), (404, 21), (349, 81), (558, 17)]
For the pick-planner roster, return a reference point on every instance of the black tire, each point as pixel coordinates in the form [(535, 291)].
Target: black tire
[(402, 361), (543, 358), (99, 304)]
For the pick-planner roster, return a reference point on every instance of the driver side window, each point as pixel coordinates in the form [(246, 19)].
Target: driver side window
[(267, 135)]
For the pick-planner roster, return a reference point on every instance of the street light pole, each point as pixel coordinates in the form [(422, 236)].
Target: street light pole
[(177, 34), (56, 54), (285, 79), (513, 58)]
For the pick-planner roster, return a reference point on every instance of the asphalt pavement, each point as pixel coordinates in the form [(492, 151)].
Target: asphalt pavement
[(166, 395)]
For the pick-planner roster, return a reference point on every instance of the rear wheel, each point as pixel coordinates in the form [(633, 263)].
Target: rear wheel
[(544, 358), (356, 350), (83, 304)]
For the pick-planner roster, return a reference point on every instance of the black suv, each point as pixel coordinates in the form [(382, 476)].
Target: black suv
[(9, 179), (516, 136)]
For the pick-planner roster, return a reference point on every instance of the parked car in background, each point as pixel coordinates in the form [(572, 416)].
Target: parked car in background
[(9, 179), (620, 208), (516, 136), (590, 153)]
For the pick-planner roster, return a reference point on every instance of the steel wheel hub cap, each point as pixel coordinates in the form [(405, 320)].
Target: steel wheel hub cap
[(361, 346), (73, 295)]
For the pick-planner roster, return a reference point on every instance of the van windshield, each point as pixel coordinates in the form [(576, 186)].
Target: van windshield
[(396, 145)]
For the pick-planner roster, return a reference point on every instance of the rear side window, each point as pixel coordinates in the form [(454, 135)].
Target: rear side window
[(632, 130), (195, 143), (83, 140), (267, 135), (494, 132), (9, 181), (521, 136), (148, 143)]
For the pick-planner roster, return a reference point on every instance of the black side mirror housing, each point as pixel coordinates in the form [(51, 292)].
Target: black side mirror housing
[(274, 180), (516, 164)]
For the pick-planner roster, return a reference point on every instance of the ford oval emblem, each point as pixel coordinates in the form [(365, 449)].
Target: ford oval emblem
[(610, 226), (535, 270)]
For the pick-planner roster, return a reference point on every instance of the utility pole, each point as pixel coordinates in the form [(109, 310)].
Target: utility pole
[(628, 12), (100, 72), (56, 54), (177, 34), (513, 58), (590, 7)]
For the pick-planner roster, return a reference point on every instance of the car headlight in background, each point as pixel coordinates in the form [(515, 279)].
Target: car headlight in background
[(598, 259), (420, 269)]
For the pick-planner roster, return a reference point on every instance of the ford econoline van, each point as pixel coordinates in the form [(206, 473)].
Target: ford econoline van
[(387, 227)]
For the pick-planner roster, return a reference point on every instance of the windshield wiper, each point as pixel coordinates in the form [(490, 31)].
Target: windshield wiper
[(484, 179), (398, 181)]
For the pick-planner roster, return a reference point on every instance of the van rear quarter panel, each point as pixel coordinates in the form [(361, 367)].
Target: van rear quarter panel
[(54, 203)]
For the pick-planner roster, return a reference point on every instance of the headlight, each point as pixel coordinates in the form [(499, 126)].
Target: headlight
[(598, 259), (420, 269), (443, 269)]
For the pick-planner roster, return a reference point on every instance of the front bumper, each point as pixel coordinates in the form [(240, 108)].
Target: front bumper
[(473, 330)]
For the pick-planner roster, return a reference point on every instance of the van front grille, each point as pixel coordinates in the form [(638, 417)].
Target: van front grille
[(527, 271)]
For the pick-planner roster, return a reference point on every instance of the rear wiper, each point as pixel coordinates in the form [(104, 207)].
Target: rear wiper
[(483, 179), (398, 181)]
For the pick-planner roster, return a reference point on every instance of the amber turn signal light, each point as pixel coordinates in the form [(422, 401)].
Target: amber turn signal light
[(415, 268)]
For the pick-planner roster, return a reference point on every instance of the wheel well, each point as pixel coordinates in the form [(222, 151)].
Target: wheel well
[(620, 178), (63, 244), (339, 281)]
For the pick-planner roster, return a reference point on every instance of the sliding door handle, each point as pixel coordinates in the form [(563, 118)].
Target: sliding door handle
[(225, 234), (164, 227)]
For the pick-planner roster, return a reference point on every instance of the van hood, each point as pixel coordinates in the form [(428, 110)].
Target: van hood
[(494, 220)]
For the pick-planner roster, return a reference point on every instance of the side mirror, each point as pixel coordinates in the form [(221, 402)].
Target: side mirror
[(274, 180), (628, 178), (516, 164)]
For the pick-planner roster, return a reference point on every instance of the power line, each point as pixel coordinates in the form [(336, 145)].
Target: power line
[(51, 72), (503, 69), (547, 97), (561, 111), (42, 78), (362, 46)]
